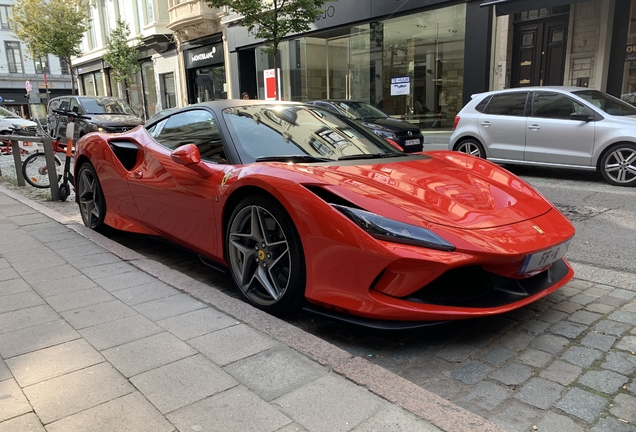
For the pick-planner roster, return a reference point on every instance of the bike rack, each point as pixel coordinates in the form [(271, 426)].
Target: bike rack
[(47, 143)]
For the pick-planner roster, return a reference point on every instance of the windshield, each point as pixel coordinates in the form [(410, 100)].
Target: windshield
[(5, 113), (105, 105), (308, 132), (360, 110), (607, 103)]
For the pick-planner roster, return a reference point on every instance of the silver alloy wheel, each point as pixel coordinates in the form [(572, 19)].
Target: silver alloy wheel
[(259, 255), (470, 147), (620, 165), (89, 198)]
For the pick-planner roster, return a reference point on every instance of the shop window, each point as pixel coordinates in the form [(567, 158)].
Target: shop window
[(169, 99), (14, 59)]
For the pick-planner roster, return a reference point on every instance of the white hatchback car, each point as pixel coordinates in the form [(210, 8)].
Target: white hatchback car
[(567, 127), (10, 123)]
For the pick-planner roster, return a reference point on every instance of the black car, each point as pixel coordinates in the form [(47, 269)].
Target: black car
[(408, 136), (97, 114)]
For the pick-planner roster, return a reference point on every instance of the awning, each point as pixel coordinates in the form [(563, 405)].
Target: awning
[(509, 7)]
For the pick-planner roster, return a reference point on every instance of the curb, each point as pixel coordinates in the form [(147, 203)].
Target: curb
[(395, 389)]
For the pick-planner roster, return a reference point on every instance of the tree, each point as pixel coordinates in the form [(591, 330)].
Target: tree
[(53, 27), (122, 57), (272, 20)]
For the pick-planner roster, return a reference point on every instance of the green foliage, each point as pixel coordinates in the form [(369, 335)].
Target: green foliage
[(53, 27), (122, 57)]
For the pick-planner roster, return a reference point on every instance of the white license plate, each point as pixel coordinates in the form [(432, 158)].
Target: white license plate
[(544, 258), (412, 142)]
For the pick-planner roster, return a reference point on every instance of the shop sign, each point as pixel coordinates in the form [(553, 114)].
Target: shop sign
[(205, 56), (630, 53), (269, 76), (400, 86)]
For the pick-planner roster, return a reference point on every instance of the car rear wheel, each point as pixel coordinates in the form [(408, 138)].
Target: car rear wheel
[(90, 197), (618, 165), (471, 147), (265, 255)]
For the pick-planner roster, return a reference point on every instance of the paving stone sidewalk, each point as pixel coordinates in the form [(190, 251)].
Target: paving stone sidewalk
[(94, 337)]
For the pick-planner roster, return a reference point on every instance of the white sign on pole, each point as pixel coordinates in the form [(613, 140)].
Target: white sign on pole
[(27, 86)]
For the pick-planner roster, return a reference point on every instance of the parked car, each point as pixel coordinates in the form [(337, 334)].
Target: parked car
[(306, 208), (11, 123), (97, 114), (407, 135), (565, 127)]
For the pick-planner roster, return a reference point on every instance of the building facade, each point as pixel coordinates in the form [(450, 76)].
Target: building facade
[(46, 76), (157, 84)]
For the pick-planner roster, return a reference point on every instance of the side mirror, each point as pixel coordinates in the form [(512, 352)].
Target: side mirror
[(188, 155), (580, 116)]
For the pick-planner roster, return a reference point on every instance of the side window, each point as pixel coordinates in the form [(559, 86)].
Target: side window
[(193, 127), (74, 106), (481, 106), (64, 104), (511, 104), (555, 106)]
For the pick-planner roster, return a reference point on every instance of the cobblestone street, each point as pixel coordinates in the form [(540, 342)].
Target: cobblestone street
[(564, 363)]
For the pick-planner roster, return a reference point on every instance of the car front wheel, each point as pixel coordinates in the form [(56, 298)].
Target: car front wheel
[(618, 165), (471, 147), (265, 255)]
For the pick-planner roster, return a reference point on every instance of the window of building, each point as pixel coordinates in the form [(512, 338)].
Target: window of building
[(6, 13), (66, 70), (42, 65), (14, 58)]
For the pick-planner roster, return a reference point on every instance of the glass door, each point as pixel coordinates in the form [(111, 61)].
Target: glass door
[(348, 65)]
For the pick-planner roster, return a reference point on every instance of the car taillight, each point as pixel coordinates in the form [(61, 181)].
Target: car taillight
[(456, 122)]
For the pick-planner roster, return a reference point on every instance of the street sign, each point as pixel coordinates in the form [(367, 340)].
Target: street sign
[(27, 86)]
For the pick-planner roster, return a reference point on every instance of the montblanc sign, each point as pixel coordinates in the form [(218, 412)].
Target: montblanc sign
[(204, 56)]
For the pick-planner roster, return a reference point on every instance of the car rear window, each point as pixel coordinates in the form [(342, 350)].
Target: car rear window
[(512, 104)]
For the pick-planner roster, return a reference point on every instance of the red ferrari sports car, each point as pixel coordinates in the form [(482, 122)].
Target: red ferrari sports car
[(309, 209)]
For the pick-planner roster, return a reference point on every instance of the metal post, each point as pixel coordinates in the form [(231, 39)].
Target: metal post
[(52, 167), (17, 159)]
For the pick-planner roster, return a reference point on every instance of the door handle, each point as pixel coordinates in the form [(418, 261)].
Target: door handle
[(138, 175), (534, 127), (485, 123)]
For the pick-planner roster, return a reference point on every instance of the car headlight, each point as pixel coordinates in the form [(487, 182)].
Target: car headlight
[(391, 230), (380, 131)]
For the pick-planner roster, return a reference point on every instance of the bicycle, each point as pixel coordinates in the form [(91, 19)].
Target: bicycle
[(35, 168)]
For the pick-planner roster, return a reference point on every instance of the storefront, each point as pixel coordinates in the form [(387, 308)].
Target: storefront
[(92, 78), (15, 100), (410, 61), (204, 64)]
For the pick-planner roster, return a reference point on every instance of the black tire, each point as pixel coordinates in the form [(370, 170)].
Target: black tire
[(36, 172), (90, 197), (472, 147), (268, 267), (618, 165), (64, 192)]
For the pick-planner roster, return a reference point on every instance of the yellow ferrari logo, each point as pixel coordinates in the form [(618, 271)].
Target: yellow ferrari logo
[(261, 255), (225, 177), (539, 230)]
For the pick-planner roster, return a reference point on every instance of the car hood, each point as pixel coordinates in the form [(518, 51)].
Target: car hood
[(114, 119), (392, 124), (19, 121), (446, 188)]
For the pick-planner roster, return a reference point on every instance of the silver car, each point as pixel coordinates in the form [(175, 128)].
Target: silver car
[(567, 127)]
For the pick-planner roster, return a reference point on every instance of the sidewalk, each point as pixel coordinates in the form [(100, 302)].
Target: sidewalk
[(95, 337)]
